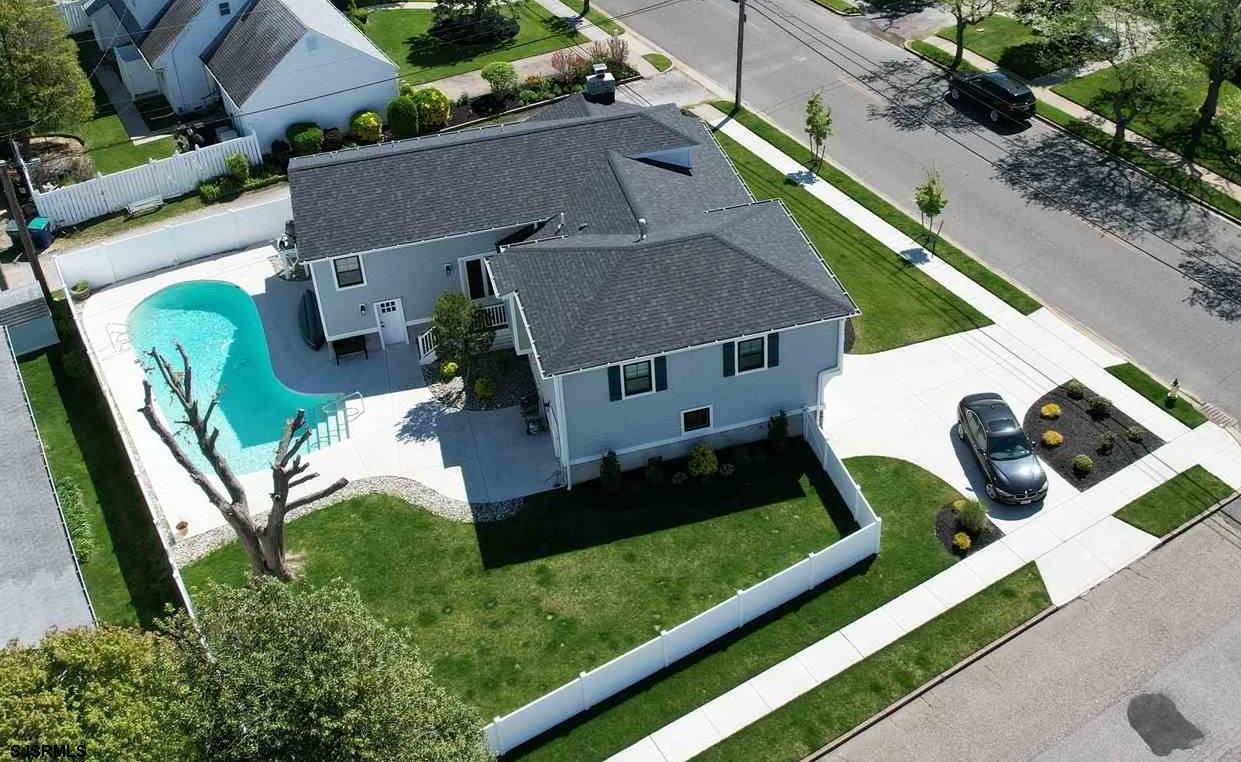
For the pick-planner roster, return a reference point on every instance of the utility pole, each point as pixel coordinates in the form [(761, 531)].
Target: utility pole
[(740, 50), (23, 234)]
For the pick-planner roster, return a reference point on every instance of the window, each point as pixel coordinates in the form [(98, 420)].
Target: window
[(637, 378), (225, 9), (693, 420), (751, 354), (348, 272), (477, 284)]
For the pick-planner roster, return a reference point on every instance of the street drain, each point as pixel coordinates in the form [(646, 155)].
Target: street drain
[(1162, 726)]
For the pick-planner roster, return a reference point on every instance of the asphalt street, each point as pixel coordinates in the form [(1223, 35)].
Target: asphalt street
[(1145, 666), (1139, 265)]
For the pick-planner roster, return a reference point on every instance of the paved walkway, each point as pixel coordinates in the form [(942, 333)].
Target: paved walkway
[(1076, 542), (1072, 108)]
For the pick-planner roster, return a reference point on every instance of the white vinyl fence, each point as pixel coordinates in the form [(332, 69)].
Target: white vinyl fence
[(74, 14), (160, 178), (117, 259), (590, 688)]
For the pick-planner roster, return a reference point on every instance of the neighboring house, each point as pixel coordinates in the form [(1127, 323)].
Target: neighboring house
[(25, 314), (657, 302), (173, 46), (40, 583)]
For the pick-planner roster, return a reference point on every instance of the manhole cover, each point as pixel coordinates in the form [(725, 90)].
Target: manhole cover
[(1162, 726)]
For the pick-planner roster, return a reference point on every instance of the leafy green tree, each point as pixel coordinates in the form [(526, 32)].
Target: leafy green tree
[(818, 127), (288, 675), (931, 201), (502, 76), (459, 332), (42, 87), (472, 22), (967, 13), (118, 692), (1210, 32)]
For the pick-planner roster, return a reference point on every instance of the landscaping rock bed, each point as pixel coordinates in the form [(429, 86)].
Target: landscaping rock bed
[(509, 371), (948, 523), (1083, 433)]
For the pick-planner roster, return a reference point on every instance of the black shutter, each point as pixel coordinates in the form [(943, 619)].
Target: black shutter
[(661, 373), (773, 350), (730, 359), (614, 382)]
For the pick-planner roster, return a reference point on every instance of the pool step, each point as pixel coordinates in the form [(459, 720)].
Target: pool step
[(331, 422)]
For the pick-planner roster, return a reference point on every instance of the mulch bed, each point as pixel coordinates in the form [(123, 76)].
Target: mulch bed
[(947, 525), (510, 371), (1081, 434)]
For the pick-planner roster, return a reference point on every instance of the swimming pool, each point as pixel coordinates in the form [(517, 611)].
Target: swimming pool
[(219, 326)]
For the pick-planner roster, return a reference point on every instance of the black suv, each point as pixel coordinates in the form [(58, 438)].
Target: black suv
[(1000, 94)]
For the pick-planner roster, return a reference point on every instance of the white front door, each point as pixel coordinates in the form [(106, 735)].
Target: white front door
[(391, 317)]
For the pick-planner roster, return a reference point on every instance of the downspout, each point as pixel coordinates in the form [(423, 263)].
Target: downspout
[(562, 427)]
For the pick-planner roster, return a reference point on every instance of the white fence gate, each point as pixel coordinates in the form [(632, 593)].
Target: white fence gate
[(162, 178), (74, 14), (590, 688)]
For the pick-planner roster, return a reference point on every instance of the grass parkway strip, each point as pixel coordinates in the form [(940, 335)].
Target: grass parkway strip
[(964, 263), (1141, 382), (1176, 501)]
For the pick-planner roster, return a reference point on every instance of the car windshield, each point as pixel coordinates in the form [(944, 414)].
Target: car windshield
[(1008, 446)]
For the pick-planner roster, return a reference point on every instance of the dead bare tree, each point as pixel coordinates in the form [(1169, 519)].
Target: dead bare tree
[(264, 545)]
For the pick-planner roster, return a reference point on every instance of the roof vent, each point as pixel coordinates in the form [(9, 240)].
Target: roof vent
[(641, 228), (600, 85)]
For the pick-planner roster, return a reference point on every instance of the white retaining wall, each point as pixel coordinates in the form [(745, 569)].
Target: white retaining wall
[(163, 178), (590, 688), (74, 14), (117, 259)]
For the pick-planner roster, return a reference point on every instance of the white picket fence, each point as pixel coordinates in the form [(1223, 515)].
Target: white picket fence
[(159, 178), (590, 688), (74, 14)]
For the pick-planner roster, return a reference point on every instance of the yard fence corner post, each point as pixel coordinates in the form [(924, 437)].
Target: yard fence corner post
[(663, 646)]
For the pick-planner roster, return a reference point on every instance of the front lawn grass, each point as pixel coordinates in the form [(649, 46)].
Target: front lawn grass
[(599, 19), (959, 260), (1169, 123), (658, 60), (1142, 383), (108, 145), (1176, 501), (904, 495), (837, 706), (402, 34), (506, 611), (127, 575), (1013, 46), (843, 7), (937, 56)]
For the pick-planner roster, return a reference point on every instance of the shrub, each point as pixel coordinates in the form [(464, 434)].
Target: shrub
[(503, 79), (526, 97), (610, 472), (280, 152), (1135, 433), (742, 456), (702, 461), (1050, 411), (359, 17), (403, 116), (1075, 389), (973, 517), (778, 429), (238, 168), (1107, 441), (1052, 438), (655, 475), (366, 127), (305, 138), (210, 191), (961, 541), (434, 109), (484, 388), (727, 469), (1099, 407), (449, 370), (80, 289), (571, 68), (1082, 465), (679, 478), (959, 504), (74, 507)]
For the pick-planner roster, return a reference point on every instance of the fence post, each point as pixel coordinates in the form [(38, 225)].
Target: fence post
[(810, 570), (663, 646), (582, 697), (740, 609)]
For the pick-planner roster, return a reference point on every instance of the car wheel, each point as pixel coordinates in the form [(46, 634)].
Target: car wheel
[(955, 94), (995, 115)]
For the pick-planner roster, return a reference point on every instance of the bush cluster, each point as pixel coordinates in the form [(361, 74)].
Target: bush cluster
[(1050, 411), (366, 127), (305, 138), (1082, 465), (1075, 389), (449, 370), (1052, 438), (727, 469), (484, 387), (962, 542), (1099, 407), (679, 478), (973, 516), (610, 472), (1135, 433), (703, 462), (1107, 442), (238, 168)]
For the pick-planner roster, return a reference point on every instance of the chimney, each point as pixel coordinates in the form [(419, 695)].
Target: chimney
[(601, 85)]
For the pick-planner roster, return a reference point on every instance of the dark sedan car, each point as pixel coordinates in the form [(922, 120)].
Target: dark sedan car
[(1000, 94), (1003, 450)]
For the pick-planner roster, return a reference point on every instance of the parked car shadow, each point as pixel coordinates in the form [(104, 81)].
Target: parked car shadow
[(978, 484)]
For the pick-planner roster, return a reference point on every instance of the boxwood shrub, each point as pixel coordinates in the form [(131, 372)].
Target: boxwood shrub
[(305, 138)]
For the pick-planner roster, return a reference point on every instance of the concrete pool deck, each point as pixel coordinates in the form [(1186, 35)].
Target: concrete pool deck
[(396, 429)]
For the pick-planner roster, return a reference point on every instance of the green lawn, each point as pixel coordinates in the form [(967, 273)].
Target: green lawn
[(402, 34), (1176, 501), (835, 707), (905, 496), (128, 577), (111, 150), (941, 57), (600, 20), (967, 265), (658, 60), (505, 612), (1138, 380), (840, 6), (1013, 46), (1169, 124)]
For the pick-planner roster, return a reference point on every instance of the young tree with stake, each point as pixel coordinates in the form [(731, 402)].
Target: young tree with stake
[(818, 127), (931, 201)]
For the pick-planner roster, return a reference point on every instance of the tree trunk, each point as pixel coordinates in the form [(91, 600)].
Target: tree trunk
[(585, 8), (956, 59), (1206, 112)]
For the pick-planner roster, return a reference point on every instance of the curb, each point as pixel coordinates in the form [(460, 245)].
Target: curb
[(1208, 206), (843, 14)]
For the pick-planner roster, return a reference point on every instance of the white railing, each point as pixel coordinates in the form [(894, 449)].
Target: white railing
[(426, 345), (494, 316), (159, 178), (74, 14), (590, 688), (337, 413)]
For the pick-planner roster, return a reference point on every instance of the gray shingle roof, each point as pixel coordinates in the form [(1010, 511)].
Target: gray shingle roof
[(593, 300), (251, 45), (39, 582), (414, 190), (167, 27), (22, 304)]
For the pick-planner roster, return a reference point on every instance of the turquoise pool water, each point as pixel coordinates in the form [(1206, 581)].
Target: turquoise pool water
[(219, 326)]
